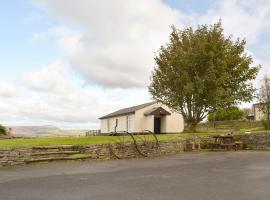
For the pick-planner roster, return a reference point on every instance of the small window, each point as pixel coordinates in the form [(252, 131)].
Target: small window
[(127, 124), (129, 121), (108, 125)]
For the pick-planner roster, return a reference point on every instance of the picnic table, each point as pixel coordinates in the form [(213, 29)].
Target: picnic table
[(225, 142)]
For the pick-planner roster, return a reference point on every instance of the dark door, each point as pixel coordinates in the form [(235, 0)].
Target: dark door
[(157, 125)]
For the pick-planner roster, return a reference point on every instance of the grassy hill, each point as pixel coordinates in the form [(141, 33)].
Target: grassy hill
[(44, 131)]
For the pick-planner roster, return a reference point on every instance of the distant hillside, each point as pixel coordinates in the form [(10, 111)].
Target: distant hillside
[(39, 131), (33, 130)]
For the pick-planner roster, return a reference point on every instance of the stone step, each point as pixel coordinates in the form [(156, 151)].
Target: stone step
[(44, 149), (55, 153), (56, 159), (55, 147)]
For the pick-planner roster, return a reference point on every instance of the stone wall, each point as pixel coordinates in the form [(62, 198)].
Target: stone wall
[(254, 141), (9, 157), (258, 141)]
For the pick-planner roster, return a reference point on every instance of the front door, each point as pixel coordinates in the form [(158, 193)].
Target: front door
[(157, 125)]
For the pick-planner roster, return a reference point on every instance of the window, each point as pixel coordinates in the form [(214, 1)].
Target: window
[(108, 125), (127, 124), (129, 121)]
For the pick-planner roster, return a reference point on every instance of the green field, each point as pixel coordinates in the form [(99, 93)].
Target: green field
[(54, 141)]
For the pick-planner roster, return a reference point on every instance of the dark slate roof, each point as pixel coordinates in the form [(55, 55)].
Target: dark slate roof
[(129, 110)]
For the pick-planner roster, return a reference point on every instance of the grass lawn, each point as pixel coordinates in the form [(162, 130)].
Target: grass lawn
[(54, 141)]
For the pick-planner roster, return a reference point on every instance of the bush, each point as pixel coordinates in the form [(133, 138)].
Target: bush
[(230, 124), (266, 124), (3, 130), (232, 113)]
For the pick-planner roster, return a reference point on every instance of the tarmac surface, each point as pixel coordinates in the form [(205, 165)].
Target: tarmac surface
[(191, 176)]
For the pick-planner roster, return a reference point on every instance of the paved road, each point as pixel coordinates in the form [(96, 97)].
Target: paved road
[(192, 176)]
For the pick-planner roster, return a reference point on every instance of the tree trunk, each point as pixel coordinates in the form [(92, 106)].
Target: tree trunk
[(268, 111), (192, 127)]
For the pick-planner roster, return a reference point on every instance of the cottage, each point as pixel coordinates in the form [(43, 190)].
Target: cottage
[(152, 116)]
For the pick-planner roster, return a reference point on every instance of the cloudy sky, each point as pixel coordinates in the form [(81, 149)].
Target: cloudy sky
[(68, 62)]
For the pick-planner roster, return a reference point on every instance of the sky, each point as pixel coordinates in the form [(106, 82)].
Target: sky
[(68, 62)]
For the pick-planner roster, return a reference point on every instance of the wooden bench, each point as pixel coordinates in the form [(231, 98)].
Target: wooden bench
[(223, 141)]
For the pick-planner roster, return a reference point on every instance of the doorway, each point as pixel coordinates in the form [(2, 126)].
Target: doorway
[(157, 125)]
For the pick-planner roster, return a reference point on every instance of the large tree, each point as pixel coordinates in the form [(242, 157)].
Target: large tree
[(201, 70)]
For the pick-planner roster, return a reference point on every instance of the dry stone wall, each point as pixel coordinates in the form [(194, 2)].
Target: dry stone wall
[(254, 141), (10, 157), (258, 141)]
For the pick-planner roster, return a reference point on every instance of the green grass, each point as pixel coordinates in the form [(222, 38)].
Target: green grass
[(78, 155), (31, 142), (54, 141)]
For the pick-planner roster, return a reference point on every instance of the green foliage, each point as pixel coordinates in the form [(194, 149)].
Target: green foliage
[(243, 125), (266, 124), (3, 130), (201, 70), (231, 113)]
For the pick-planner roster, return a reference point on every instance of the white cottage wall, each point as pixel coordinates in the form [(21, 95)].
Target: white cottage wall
[(125, 123), (173, 123)]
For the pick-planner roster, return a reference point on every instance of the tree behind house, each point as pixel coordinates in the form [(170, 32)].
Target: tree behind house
[(199, 71), (231, 113)]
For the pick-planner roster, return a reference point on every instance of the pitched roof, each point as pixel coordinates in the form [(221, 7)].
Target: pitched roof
[(129, 110), (157, 111)]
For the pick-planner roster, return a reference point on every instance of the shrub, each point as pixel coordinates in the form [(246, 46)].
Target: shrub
[(266, 124), (232, 113), (231, 124), (3, 130)]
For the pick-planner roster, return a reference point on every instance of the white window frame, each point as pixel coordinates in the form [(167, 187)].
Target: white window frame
[(108, 125), (129, 121)]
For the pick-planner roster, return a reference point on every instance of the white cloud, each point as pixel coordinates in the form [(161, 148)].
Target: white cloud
[(48, 78), (118, 38), (245, 19), (112, 44), (51, 95), (8, 90)]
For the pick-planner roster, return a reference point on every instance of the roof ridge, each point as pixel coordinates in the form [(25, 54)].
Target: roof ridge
[(127, 110)]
